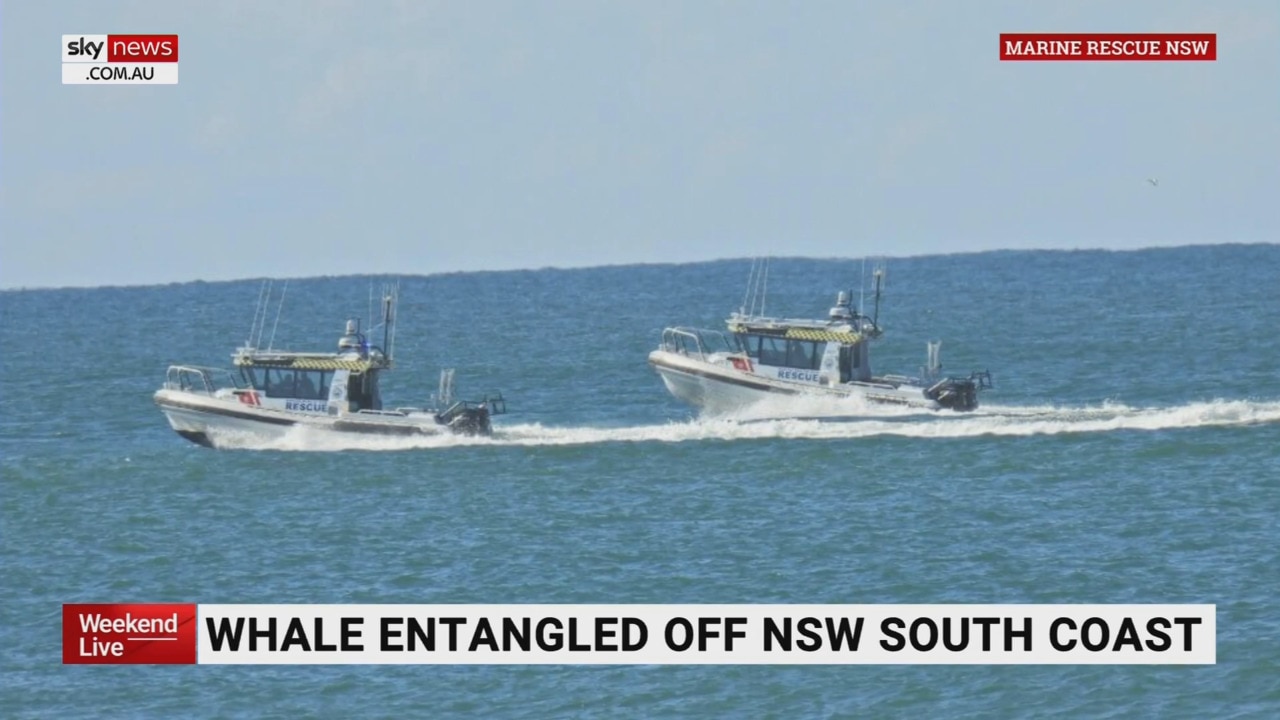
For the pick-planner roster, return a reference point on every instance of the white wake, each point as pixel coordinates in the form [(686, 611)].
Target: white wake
[(808, 423)]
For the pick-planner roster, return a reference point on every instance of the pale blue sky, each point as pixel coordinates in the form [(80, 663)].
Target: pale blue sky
[(328, 137)]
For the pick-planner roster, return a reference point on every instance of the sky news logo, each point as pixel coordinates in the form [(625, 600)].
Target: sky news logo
[(119, 59)]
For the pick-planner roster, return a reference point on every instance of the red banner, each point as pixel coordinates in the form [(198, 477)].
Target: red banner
[(1109, 46), (129, 634)]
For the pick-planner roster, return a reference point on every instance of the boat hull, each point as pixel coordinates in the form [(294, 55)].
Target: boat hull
[(718, 388), (216, 422)]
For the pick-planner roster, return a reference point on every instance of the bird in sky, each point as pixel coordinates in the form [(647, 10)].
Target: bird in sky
[(1154, 182)]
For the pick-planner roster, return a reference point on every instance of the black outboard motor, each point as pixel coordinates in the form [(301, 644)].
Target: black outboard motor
[(467, 417), (959, 394), (471, 421)]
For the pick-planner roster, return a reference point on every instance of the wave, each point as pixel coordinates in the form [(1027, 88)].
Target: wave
[(988, 421)]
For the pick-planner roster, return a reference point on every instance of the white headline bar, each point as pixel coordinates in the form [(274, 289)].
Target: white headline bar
[(120, 74), (708, 634)]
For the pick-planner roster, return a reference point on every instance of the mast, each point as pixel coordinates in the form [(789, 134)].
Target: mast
[(280, 308), (862, 288), (764, 291), (879, 276), (389, 294), (747, 298)]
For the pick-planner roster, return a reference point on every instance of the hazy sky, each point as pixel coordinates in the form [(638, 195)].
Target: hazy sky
[(314, 137)]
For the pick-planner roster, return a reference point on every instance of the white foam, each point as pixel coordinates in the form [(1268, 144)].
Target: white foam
[(988, 421), (779, 407)]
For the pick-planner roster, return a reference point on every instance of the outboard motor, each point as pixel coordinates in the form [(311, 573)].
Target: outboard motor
[(472, 421), (465, 418), (469, 417), (959, 394), (954, 394)]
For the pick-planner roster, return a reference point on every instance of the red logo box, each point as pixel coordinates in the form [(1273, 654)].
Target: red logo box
[(129, 634), (142, 48), (1109, 46)]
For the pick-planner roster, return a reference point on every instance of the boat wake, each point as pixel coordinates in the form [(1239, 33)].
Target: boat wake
[(989, 421)]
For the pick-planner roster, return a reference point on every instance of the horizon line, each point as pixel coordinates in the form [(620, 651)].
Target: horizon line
[(989, 251)]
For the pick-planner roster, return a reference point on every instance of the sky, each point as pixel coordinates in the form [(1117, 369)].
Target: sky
[(324, 137)]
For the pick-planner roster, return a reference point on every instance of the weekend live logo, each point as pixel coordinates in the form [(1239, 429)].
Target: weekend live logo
[(1109, 46), (114, 633), (119, 59)]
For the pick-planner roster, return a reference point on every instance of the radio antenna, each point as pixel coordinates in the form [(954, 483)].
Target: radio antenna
[(253, 326), (747, 297), (879, 275), (862, 288), (272, 342), (764, 290)]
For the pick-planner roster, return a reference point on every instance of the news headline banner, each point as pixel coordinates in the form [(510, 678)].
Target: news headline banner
[(640, 634)]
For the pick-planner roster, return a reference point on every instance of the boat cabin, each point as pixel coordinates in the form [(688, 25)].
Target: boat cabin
[(307, 382), (812, 354), (835, 351), (327, 383), (331, 383)]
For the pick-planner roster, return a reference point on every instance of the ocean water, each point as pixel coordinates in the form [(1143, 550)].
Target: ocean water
[(1130, 453)]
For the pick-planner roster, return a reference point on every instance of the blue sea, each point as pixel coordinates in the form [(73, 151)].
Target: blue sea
[(1129, 453)]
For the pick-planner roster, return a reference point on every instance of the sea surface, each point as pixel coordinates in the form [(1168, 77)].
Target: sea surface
[(1130, 453)]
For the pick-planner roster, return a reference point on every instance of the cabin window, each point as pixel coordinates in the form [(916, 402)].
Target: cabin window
[(280, 382), (781, 352), (804, 355), (289, 383), (773, 351), (307, 386), (254, 379)]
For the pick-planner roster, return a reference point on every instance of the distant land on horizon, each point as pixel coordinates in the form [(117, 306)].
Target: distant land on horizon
[(569, 268)]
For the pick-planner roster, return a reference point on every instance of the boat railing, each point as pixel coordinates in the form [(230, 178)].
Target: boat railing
[(695, 342), (496, 402), (497, 405), (902, 380), (200, 379), (981, 379)]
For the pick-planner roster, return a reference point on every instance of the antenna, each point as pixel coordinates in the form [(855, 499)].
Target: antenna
[(271, 343), (253, 326), (747, 297), (394, 311), (764, 292), (879, 276), (388, 317), (862, 290), (261, 322)]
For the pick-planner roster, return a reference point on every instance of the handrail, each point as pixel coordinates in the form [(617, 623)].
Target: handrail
[(198, 378), (671, 341), (677, 340)]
